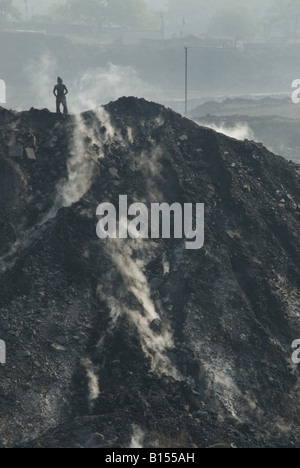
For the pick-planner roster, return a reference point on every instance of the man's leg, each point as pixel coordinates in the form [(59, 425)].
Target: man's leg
[(64, 102), (58, 106)]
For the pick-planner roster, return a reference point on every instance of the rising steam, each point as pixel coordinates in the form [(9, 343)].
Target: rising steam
[(138, 436), (88, 89), (240, 131), (102, 85), (130, 258), (155, 345), (82, 161), (93, 383)]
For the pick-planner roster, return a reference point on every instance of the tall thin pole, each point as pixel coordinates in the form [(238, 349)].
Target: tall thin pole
[(162, 27), (186, 81), (26, 9)]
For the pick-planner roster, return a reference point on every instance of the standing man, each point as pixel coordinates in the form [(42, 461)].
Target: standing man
[(60, 91)]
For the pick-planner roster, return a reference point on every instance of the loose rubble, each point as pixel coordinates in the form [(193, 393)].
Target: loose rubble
[(106, 336)]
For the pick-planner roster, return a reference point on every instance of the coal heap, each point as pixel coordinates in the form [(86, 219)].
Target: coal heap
[(113, 341)]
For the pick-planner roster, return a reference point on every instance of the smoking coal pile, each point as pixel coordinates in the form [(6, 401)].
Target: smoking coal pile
[(123, 342)]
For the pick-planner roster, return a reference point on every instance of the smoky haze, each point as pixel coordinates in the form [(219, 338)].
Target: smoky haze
[(104, 50)]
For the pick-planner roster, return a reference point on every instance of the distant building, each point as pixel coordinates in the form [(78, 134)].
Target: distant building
[(204, 40)]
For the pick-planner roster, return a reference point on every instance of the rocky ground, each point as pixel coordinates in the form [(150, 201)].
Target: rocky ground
[(114, 341)]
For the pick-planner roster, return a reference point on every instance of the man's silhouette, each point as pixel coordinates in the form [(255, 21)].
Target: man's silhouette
[(60, 91)]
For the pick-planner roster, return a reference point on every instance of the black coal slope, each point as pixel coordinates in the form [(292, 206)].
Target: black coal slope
[(112, 339)]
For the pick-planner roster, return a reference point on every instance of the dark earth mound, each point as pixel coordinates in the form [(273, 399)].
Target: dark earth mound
[(119, 339)]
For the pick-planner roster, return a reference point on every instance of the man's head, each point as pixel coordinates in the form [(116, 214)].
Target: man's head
[(59, 80)]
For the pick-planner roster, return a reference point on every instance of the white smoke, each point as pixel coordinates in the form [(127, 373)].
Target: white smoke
[(82, 162), (87, 90), (130, 258), (138, 436), (101, 85), (125, 254), (42, 74), (93, 384), (80, 167), (240, 131)]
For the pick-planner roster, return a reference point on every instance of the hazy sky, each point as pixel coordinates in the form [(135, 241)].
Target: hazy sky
[(183, 17), (157, 75), (34, 6), (37, 6), (156, 4)]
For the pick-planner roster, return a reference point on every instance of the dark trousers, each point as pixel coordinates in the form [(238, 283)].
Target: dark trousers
[(63, 101)]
